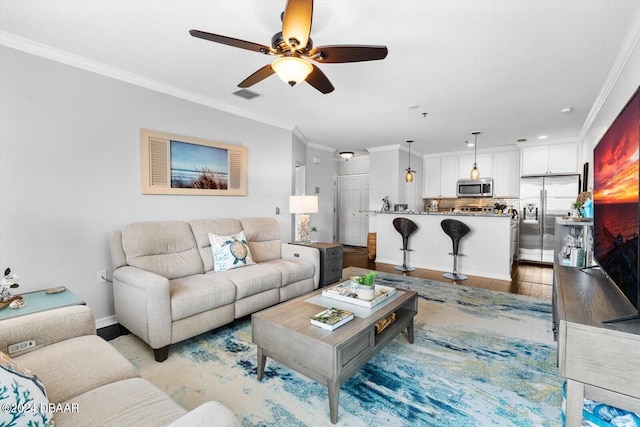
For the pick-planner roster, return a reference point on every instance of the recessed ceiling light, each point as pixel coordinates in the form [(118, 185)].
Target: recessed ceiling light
[(566, 110), (469, 143), (543, 137)]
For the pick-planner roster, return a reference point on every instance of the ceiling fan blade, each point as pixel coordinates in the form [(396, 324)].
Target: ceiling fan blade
[(347, 53), (230, 41), (296, 23), (256, 77), (319, 80)]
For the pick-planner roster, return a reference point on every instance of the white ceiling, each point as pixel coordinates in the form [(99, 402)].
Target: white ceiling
[(505, 68)]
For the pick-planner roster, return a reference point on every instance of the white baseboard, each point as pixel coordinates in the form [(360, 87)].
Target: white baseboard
[(106, 321)]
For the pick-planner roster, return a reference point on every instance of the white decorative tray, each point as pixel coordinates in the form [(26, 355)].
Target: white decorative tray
[(347, 292)]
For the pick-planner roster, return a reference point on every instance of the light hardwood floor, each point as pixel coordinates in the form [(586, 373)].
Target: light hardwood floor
[(528, 279)]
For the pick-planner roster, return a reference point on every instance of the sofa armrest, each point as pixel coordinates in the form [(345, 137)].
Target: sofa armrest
[(143, 304), (308, 253), (46, 327), (208, 414)]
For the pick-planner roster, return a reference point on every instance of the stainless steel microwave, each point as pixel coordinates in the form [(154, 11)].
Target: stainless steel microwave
[(482, 187)]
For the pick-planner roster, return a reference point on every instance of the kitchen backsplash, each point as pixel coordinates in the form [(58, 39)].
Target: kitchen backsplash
[(480, 202)]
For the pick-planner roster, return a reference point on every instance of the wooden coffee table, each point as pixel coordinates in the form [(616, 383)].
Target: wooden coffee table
[(284, 333)]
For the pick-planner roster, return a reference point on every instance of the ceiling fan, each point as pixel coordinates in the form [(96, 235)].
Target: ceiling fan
[(294, 48)]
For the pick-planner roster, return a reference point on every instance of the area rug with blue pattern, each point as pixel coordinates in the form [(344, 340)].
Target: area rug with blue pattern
[(480, 358)]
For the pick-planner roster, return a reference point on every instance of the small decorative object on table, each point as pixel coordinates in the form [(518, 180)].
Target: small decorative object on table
[(331, 318), (366, 286), (7, 283), (386, 204), (382, 324)]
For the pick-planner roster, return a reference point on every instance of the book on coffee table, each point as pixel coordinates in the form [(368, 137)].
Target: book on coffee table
[(331, 318)]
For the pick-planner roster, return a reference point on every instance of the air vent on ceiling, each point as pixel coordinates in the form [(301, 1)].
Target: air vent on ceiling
[(246, 94)]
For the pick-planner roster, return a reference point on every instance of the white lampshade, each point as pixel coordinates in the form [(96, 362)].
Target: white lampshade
[(303, 204), (291, 70)]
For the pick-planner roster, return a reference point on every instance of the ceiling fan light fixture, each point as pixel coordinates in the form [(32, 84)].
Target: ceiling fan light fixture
[(346, 155), (291, 70)]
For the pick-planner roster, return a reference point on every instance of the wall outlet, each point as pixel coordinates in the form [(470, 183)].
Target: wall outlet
[(101, 276), (21, 346)]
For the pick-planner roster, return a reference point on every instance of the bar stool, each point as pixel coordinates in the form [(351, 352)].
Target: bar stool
[(456, 230), (406, 228)]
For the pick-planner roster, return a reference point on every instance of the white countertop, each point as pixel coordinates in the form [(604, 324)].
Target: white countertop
[(450, 213)]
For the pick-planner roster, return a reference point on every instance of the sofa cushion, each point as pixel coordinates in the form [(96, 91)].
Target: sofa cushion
[(263, 236), (199, 293), (201, 229), (132, 402), (230, 251), (292, 270), (22, 394), (68, 368), (251, 280), (167, 248)]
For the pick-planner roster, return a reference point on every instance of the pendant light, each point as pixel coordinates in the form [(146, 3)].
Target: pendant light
[(475, 172), (409, 176)]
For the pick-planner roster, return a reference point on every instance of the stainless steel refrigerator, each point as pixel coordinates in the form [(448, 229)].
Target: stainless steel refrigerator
[(542, 200)]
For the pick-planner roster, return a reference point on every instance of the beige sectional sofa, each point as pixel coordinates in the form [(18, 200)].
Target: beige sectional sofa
[(87, 382), (166, 288)]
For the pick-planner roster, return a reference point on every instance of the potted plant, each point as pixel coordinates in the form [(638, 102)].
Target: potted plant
[(366, 286)]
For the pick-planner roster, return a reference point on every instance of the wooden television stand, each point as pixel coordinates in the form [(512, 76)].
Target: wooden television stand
[(601, 361)]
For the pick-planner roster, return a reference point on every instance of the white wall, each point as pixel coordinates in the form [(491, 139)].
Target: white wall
[(320, 177), (622, 88), (357, 165), (70, 170)]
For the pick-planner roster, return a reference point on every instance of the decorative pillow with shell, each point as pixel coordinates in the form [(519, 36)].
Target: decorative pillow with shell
[(23, 399), (230, 251)]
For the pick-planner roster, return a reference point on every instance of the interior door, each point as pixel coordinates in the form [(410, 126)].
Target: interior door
[(353, 206)]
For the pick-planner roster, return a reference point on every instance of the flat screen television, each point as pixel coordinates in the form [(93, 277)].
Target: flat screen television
[(615, 202)]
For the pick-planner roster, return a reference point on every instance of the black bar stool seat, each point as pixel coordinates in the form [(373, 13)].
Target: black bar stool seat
[(456, 230), (406, 228)]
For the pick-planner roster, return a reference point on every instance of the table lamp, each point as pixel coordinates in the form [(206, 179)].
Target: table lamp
[(303, 205)]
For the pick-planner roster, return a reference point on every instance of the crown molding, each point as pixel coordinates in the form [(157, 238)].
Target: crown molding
[(321, 147), (48, 52), (619, 63), (394, 147)]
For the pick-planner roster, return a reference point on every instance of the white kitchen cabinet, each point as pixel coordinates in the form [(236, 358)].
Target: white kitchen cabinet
[(431, 177), (484, 162), (448, 176), (440, 176), (506, 174), (548, 159)]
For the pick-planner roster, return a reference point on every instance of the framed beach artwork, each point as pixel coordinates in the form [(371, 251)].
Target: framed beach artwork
[(176, 164)]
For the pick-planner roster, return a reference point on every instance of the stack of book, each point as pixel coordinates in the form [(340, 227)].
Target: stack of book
[(331, 318)]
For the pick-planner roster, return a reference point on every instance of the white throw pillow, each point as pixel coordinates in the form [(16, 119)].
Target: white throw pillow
[(230, 251), (23, 399)]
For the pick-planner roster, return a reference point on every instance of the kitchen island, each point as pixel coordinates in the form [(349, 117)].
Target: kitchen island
[(487, 248)]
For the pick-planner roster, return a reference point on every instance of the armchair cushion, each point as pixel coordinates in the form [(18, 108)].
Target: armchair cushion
[(132, 402), (68, 368), (22, 395)]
